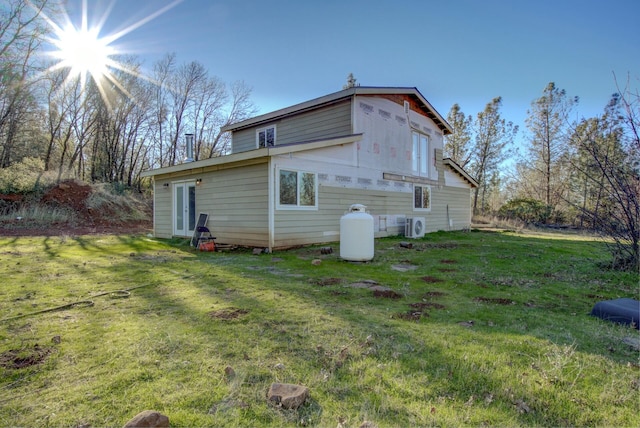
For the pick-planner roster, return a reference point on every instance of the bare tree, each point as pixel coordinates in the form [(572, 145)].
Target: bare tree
[(21, 33), (238, 109), (608, 161)]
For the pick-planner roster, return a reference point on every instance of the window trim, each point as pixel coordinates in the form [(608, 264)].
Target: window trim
[(422, 186), (264, 129), (298, 207)]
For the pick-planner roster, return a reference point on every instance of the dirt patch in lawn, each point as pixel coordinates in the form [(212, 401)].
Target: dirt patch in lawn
[(23, 358), (228, 314), (418, 310), (448, 261), (386, 293), (430, 279)]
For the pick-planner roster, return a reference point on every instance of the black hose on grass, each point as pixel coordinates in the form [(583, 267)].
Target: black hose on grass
[(118, 294)]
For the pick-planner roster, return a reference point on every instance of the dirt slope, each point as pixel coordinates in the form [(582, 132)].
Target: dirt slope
[(106, 218)]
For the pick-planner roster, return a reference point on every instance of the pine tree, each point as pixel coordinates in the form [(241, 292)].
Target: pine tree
[(548, 124), (494, 135), (457, 146)]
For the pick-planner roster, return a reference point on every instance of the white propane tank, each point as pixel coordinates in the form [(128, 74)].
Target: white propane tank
[(356, 234)]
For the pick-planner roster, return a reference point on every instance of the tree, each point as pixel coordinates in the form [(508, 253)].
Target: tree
[(457, 145), (548, 124), (21, 32), (494, 135), (607, 162)]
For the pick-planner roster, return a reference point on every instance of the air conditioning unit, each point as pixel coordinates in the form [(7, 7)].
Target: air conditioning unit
[(414, 227)]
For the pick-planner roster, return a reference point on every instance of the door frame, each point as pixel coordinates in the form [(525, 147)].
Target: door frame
[(183, 218)]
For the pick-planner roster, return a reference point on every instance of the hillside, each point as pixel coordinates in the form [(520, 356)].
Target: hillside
[(75, 208)]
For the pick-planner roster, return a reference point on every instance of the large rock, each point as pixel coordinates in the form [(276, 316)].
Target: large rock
[(288, 395), (148, 419)]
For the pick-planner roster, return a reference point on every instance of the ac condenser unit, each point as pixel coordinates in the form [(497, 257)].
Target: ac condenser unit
[(414, 227)]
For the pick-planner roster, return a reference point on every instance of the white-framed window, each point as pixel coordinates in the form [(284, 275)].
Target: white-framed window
[(266, 137), (297, 189), (420, 154), (422, 197)]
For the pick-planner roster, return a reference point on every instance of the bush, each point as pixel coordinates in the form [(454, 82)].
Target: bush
[(527, 210), (23, 177)]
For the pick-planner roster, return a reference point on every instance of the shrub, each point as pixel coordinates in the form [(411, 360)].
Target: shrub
[(26, 177), (527, 210)]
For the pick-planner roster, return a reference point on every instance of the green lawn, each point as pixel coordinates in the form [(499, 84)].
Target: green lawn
[(476, 328)]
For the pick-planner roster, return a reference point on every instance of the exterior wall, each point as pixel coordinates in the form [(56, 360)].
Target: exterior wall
[(162, 208), (387, 141), (236, 200), (323, 225), (325, 122), (451, 211)]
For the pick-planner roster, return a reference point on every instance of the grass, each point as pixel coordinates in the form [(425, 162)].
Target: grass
[(479, 328), (34, 215)]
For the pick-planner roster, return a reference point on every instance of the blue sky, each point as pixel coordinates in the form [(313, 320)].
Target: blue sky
[(453, 51)]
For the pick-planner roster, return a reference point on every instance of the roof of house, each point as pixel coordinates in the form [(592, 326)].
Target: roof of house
[(412, 92), (251, 155), (460, 171)]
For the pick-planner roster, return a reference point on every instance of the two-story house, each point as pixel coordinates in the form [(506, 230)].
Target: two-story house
[(294, 172)]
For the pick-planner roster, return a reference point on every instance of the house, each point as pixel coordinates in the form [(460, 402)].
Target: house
[(293, 173)]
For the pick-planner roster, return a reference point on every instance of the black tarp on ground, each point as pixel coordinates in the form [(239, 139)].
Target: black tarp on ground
[(623, 311)]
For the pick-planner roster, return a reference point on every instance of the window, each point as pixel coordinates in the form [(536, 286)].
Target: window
[(422, 197), (420, 154), (266, 137), (297, 189)]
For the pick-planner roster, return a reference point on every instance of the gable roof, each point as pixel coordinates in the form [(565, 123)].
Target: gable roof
[(412, 93)]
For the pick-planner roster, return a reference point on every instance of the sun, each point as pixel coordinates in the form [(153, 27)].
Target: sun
[(84, 54)]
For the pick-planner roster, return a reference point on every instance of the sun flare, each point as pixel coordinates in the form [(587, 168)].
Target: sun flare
[(84, 53)]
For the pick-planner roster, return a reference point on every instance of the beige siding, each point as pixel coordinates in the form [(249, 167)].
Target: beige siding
[(162, 209), (235, 199), (458, 202), (237, 203), (326, 122), (321, 226)]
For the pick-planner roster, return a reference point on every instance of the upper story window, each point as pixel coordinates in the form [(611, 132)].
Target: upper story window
[(420, 154), (266, 137)]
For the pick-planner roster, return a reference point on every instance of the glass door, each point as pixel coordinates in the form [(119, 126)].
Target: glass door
[(184, 208)]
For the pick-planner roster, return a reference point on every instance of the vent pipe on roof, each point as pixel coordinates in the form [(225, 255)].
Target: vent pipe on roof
[(189, 138)]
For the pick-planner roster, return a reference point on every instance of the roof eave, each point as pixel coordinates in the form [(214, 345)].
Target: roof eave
[(458, 169)]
